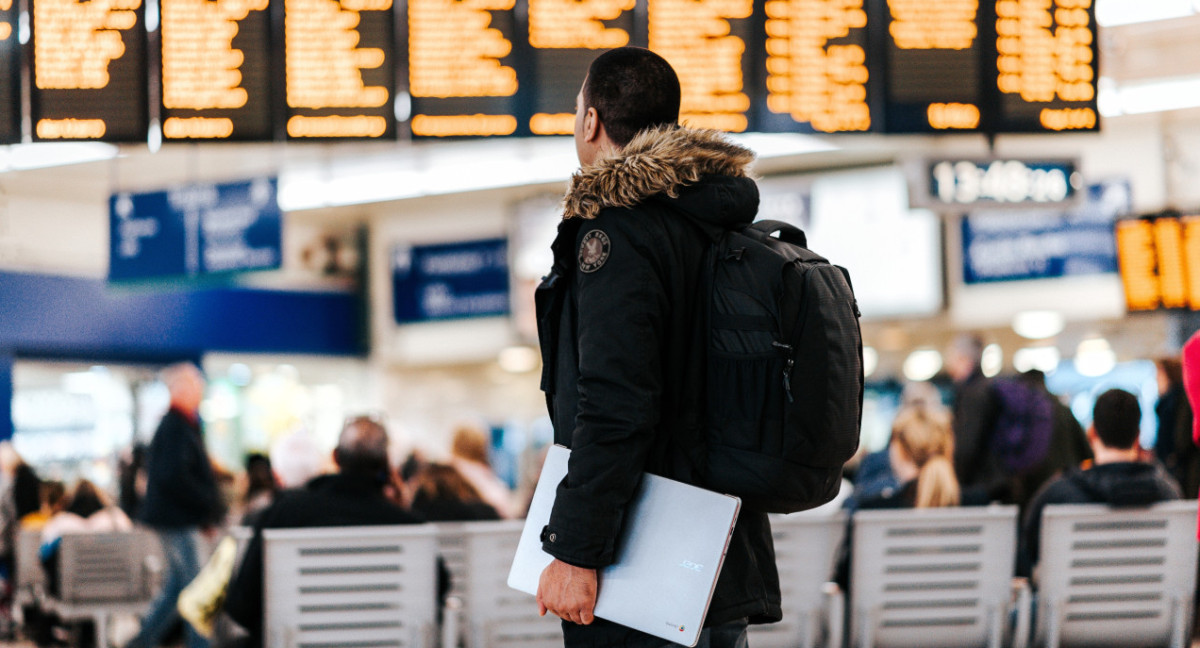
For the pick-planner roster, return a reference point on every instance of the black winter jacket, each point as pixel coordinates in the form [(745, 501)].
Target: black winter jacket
[(181, 490), (1117, 484), (617, 322)]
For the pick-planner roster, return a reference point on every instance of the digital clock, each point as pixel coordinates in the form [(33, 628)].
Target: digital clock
[(963, 183)]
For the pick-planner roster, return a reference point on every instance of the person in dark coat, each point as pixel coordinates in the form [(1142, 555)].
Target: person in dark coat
[(181, 501), (616, 319), (975, 411), (1118, 476), (1173, 445), (360, 493)]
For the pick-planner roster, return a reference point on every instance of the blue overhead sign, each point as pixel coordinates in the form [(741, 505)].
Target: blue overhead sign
[(1045, 244), (195, 230), (450, 281)]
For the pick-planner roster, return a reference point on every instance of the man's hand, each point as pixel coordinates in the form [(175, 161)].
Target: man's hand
[(567, 592)]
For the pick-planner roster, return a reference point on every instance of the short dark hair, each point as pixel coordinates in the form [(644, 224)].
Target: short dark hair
[(632, 89), (1117, 417), (362, 449)]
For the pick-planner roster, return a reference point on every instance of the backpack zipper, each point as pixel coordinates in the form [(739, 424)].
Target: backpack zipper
[(786, 351)]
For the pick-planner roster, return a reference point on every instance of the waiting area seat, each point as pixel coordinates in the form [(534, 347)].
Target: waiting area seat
[(929, 578), (102, 575), (498, 616), (806, 546), (1116, 577), (352, 587)]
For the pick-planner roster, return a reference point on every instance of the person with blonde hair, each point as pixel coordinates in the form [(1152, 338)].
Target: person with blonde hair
[(469, 456), (921, 453)]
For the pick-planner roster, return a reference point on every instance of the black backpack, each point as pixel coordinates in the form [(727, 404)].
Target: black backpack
[(784, 379)]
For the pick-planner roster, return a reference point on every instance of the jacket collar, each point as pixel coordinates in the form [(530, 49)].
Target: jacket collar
[(656, 161)]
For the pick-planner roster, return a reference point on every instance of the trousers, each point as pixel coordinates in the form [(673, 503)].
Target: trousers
[(181, 548), (605, 634)]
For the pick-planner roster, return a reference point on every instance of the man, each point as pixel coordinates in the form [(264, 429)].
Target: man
[(617, 318), (974, 417), (361, 493), (1117, 477), (181, 500)]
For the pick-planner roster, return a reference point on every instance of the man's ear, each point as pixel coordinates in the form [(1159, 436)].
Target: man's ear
[(336, 461), (1092, 437), (592, 128)]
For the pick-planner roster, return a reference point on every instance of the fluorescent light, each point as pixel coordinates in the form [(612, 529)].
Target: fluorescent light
[(870, 361), (922, 364), (1043, 358), (1148, 97), (992, 360), (1094, 357), (1038, 324), (21, 157), (1111, 13)]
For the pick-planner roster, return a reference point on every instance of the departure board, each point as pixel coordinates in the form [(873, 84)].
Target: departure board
[(89, 71), (815, 57), (706, 42), (933, 53), (1046, 59), (339, 68), (215, 70), (363, 69), (564, 37), (461, 73), (10, 74), (1159, 258)]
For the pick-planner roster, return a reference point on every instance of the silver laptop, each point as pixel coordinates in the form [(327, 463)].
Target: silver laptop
[(668, 556)]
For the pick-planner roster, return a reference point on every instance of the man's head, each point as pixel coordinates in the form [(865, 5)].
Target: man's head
[(1116, 420), (186, 384), (964, 356), (362, 450), (627, 90)]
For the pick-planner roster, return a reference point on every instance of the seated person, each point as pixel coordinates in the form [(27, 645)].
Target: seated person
[(358, 494), (1117, 476), (444, 495), (921, 454)]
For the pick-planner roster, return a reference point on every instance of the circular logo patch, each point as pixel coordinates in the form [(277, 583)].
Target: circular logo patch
[(593, 252)]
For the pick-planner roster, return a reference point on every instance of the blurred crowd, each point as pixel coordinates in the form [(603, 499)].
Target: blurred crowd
[(985, 440)]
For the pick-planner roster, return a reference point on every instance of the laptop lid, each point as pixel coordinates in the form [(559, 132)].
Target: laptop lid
[(668, 556)]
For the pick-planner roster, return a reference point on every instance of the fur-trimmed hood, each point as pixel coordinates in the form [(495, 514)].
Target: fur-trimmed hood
[(700, 171)]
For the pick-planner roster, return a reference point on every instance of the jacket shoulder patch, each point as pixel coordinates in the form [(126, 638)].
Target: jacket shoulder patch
[(594, 251)]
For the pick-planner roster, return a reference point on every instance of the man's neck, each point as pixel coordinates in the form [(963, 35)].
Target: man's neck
[(1106, 455)]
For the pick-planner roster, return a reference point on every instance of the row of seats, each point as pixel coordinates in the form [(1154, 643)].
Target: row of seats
[(919, 578)]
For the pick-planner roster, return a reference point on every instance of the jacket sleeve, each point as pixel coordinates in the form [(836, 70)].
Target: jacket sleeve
[(622, 309)]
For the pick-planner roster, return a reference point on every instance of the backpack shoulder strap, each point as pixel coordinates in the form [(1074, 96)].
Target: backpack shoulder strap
[(787, 233)]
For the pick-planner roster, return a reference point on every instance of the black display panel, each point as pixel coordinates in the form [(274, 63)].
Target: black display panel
[(1047, 65), (10, 74), (461, 63), (339, 69), (563, 38), (814, 65), (89, 77), (935, 66), (707, 44), (216, 81)]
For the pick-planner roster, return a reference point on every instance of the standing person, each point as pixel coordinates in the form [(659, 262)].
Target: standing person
[(616, 320), (1173, 445), (181, 500), (974, 417)]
